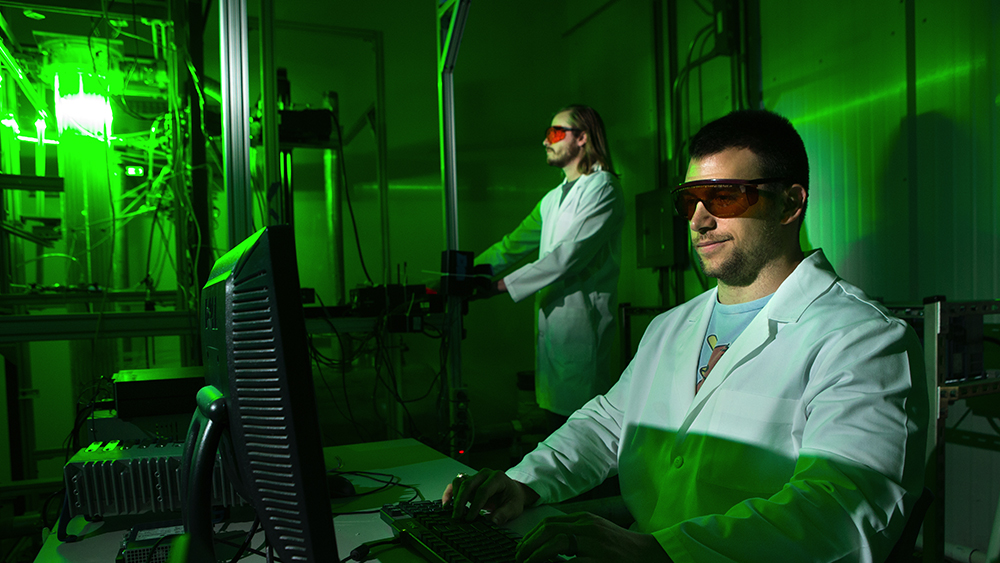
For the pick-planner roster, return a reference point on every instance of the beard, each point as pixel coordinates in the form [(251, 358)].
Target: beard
[(560, 161), (744, 264)]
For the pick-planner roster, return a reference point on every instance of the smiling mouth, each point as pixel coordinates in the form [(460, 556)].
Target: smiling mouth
[(707, 243)]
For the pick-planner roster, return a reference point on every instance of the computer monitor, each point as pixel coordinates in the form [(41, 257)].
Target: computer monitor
[(258, 407)]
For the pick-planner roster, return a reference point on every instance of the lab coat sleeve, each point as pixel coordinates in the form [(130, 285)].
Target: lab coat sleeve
[(598, 218), (862, 449), (521, 242), (582, 453)]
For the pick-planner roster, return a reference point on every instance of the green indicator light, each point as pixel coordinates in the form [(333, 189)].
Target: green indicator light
[(134, 171)]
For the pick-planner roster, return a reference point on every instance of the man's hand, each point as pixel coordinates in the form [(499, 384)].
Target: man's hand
[(492, 490), (485, 292), (590, 538)]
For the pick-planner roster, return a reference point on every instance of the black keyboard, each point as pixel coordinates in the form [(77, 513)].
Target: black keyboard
[(429, 528)]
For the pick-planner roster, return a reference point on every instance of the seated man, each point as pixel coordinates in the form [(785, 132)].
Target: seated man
[(778, 417)]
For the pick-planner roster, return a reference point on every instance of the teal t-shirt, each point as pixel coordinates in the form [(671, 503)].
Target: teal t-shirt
[(726, 324)]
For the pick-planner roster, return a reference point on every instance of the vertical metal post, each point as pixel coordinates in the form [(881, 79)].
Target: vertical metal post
[(935, 364), (269, 91), (451, 23), (335, 221), (236, 118), (381, 154)]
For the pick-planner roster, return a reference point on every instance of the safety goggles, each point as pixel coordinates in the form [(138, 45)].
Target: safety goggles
[(557, 133), (722, 198)]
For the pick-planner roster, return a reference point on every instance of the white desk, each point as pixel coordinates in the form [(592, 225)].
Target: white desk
[(414, 463)]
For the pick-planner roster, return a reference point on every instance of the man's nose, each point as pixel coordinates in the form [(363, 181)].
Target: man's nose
[(702, 220)]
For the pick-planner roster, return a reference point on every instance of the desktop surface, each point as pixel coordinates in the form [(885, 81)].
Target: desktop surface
[(356, 519)]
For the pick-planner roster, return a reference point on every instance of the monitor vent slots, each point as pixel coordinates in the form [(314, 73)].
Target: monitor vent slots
[(266, 432)]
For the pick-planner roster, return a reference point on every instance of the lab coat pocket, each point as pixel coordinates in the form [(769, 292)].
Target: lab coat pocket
[(751, 443)]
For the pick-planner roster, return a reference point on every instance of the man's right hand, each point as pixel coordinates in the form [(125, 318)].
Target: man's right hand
[(491, 490)]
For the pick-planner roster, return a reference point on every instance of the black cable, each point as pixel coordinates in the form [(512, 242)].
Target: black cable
[(45, 506), (703, 8), (246, 543), (233, 544), (149, 253), (361, 552), (965, 414), (204, 15), (381, 349), (61, 532), (347, 193), (344, 361), (393, 481), (354, 423), (156, 544)]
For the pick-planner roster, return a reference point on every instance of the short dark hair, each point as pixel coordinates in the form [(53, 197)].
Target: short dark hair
[(596, 151), (779, 148)]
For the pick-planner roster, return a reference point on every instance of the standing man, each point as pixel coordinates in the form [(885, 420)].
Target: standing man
[(576, 230), (780, 416)]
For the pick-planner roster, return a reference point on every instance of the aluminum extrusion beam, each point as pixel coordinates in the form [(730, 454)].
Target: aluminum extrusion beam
[(86, 326), (451, 15), (381, 155), (37, 101), (31, 183), (91, 8), (236, 118), (269, 91), (81, 297)]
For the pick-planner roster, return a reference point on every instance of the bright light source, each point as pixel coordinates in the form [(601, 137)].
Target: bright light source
[(83, 104), (35, 140), (9, 121), (134, 171)]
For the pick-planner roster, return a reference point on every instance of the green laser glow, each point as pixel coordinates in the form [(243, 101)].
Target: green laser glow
[(944, 75)]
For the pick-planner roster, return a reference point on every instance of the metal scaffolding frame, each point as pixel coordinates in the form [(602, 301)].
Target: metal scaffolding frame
[(451, 16)]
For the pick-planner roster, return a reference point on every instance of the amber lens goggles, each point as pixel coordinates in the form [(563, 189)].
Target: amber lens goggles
[(722, 198), (557, 133)]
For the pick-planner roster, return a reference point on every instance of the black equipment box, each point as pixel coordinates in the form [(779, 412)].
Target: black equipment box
[(154, 392)]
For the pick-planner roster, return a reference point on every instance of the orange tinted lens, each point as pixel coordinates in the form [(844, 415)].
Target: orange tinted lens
[(721, 200), (554, 135)]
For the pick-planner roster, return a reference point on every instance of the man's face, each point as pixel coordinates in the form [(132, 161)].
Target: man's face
[(735, 250), (563, 152)]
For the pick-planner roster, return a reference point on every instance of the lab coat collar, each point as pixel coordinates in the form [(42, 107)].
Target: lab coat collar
[(810, 279)]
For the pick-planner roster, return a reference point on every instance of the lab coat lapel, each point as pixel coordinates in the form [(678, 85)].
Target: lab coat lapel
[(681, 374), (756, 334), (556, 207), (811, 278)]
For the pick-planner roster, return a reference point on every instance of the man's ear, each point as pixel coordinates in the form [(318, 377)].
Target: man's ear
[(795, 203), (582, 139)]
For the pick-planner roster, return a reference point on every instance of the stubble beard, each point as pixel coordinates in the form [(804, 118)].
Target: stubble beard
[(566, 158), (743, 265)]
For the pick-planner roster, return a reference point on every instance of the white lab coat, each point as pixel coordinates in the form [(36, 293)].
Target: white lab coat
[(575, 283), (806, 442)]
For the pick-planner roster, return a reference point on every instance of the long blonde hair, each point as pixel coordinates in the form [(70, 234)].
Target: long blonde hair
[(596, 150)]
